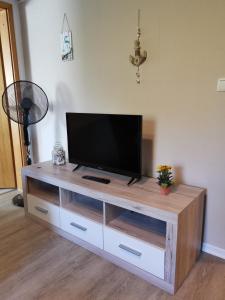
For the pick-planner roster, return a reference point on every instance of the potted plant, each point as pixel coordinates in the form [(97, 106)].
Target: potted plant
[(165, 178)]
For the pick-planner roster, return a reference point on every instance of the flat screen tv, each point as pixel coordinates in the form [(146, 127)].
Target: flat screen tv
[(105, 141)]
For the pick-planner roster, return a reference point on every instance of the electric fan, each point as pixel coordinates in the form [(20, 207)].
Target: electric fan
[(25, 103)]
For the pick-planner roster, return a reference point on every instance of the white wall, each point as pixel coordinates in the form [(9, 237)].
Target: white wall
[(177, 97)]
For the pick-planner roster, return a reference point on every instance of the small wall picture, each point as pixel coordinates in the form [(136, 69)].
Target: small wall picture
[(66, 46)]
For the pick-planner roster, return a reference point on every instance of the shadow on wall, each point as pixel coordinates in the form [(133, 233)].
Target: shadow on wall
[(148, 147), (57, 109), (178, 174), (26, 49), (33, 129), (26, 55), (33, 144), (63, 103), (147, 157)]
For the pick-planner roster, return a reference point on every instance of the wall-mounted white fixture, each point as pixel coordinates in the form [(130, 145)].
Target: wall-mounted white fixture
[(138, 58), (66, 40), (221, 85)]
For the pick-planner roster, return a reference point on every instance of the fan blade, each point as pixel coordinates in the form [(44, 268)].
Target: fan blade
[(13, 108)]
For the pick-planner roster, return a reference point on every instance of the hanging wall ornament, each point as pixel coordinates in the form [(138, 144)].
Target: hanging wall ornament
[(140, 57), (66, 40)]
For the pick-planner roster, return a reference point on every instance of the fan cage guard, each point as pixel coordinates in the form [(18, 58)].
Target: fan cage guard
[(16, 92)]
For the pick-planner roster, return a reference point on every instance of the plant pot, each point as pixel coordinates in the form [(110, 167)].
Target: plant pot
[(165, 190)]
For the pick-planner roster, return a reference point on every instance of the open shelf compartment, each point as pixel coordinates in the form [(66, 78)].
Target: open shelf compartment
[(145, 228), (86, 206), (43, 190)]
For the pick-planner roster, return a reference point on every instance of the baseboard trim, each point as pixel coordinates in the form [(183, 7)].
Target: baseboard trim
[(216, 251)]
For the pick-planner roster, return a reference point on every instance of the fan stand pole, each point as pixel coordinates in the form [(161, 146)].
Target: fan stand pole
[(29, 161), (18, 199), (27, 144), (26, 133)]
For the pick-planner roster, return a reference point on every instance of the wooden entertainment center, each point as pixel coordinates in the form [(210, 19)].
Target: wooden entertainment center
[(153, 236)]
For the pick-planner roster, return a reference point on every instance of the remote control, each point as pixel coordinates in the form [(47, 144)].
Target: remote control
[(97, 179)]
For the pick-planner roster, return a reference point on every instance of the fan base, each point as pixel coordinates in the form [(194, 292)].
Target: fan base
[(18, 200)]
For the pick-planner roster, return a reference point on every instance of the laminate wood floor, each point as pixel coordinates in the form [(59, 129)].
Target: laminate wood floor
[(36, 263), (3, 191)]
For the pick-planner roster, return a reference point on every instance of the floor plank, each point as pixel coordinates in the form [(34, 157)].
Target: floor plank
[(36, 263)]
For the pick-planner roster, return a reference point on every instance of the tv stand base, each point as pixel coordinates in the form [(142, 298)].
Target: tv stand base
[(133, 181), (76, 168), (134, 227)]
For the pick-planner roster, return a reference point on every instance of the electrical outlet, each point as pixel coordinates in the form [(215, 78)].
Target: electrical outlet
[(221, 85)]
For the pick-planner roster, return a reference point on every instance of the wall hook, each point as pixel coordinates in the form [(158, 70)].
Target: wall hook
[(139, 56)]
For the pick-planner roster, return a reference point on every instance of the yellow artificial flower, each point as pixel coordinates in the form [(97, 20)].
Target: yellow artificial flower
[(158, 168), (161, 168)]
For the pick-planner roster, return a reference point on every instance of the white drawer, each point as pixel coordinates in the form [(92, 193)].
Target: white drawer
[(43, 210), (141, 254), (81, 227)]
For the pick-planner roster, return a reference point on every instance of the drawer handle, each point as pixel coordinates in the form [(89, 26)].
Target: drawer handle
[(78, 226), (128, 249), (42, 210)]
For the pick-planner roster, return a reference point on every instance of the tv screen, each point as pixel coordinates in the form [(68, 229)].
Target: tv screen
[(105, 141)]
